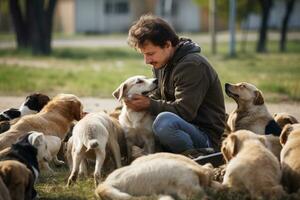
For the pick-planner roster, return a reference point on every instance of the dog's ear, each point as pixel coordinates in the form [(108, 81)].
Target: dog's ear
[(42, 101), (36, 139), (287, 129), (77, 110), (120, 91), (258, 100), (229, 147)]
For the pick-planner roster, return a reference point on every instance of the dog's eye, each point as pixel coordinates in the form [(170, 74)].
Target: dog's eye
[(139, 81)]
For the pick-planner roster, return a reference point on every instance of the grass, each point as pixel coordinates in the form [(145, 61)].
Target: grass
[(97, 72)]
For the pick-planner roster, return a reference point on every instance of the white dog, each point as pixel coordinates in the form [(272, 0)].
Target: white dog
[(93, 133), (137, 125), (155, 174)]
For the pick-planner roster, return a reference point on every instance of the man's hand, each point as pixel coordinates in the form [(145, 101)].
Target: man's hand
[(138, 102)]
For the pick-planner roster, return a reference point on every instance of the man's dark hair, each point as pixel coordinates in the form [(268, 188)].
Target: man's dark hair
[(153, 29)]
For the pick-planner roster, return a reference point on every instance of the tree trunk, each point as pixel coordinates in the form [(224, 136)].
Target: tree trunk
[(289, 9), (265, 8), (35, 25), (19, 23)]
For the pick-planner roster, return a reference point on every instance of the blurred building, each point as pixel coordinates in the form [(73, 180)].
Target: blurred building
[(106, 16)]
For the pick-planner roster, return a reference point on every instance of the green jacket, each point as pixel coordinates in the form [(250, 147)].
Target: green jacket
[(189, 87)]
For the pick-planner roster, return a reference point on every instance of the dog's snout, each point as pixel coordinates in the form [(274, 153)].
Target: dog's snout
[(155, 81)]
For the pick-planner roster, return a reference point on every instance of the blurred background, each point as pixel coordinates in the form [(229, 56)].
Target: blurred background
[(79, 46)]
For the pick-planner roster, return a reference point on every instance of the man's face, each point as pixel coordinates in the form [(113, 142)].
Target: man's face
[(156, 55)]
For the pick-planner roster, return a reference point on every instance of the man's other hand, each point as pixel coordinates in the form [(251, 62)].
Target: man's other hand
[(137, 102)]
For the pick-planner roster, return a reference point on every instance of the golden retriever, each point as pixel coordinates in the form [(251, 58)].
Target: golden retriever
[(159, 173), (290, 160), (93, 133), (283, 119), (18, 179), (54, 119), (251, 112), (137, 125), (251, 166)]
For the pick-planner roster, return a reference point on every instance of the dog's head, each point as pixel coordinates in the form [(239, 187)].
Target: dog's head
[(135, 85), (38, 140), (288, 130), (34, 103), (234, 141), (68, 105), (283, 119), (244, 93)]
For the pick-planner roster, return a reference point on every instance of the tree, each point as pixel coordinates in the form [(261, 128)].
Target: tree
[(289, 9), (32, 20), (266, 6)]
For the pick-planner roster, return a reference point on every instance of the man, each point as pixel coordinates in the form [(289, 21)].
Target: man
[(189, 102)]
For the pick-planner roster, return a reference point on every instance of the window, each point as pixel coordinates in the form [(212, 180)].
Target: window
[(116, 7)]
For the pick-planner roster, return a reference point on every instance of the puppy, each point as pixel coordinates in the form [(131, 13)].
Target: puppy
[(284, 118), (54, 119), (251, 166), (93, 133), (23, 151), (18, 180), (137, 125), (32, 104), (160, 173), (290, 161), (4, 193), (251, 112)]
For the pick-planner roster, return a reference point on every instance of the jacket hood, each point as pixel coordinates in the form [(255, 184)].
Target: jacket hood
[(185, 46)]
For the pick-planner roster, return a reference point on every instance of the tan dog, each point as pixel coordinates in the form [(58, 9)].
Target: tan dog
[(252, 167), (4, 193), (137, 125), (93, 133), (251, 112), (283, 119), (54, 119), (290, 160), (17, 178), (160, 173)]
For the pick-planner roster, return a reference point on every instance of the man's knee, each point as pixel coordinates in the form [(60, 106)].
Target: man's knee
[(163, 125)]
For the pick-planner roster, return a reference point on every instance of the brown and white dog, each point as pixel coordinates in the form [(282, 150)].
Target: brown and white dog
[(54, 119), (283, 119), (251, 166), (290, 160), (137, 125), (18, 180), (155, 174), (251, 112), (94, 133)]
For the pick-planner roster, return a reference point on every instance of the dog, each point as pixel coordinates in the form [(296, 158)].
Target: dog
[(54, 119), (32, 104), (251, 112), (290, 162), (18, 179), (4, 193), (251, 166), (284, 118), (137, 125), (25, 151), (155, 174), (93, 133), (53, 144)]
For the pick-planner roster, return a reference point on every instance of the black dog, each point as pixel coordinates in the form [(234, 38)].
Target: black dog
[(9, 114), (25, 153)]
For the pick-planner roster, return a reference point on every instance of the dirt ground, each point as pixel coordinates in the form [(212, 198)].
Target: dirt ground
[(92, 104)]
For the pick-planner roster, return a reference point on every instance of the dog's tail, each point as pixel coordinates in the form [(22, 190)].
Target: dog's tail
[(92, 144), (105, 191)]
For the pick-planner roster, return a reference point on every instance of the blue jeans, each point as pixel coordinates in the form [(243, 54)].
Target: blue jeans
[(177, 135)]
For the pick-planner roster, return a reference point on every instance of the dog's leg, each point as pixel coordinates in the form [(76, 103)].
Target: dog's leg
[(100, 157), (45, 165), (77, 158), (83, 168), (150, 145), (57, 162), (115, 148)]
